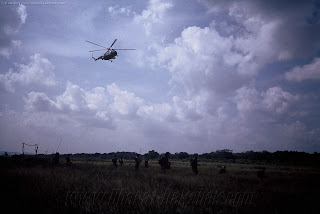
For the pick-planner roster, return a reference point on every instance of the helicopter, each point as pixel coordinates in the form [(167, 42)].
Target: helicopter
[(110, 54)]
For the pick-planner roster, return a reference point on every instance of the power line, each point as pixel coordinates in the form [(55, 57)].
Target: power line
[(36, 147)]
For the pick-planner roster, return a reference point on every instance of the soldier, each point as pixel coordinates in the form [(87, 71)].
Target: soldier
[(146, 163), (261, 173), (138, 161), (68, 160), (194, 164), (121, 161), (223, 169), (114, 161), (164, 162), (56, 159)]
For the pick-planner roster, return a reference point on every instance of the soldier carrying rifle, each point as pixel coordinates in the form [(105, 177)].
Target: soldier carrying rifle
[(194, 164)]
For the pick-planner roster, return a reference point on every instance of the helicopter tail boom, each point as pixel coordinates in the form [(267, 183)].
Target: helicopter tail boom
[(95, 59)]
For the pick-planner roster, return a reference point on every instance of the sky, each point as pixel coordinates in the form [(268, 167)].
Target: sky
[(206, 75)]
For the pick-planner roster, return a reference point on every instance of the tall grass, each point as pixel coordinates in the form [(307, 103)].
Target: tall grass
[(101, 188)]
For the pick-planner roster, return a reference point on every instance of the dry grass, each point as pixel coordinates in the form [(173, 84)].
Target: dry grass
[(101, 188)]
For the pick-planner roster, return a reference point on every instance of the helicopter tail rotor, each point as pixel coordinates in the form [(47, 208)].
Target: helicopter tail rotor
[(93, 57)]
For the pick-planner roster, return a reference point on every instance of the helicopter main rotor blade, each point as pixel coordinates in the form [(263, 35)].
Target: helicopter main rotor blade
[(96, 44), (113, 43), (99, 50), (123, 49)]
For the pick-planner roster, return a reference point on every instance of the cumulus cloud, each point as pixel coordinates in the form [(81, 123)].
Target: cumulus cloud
[(38, 71), (219, 60), (23, 13), (112, 108), (274, 100), (285, 24), (10, 22), (191, 109), (202, 59), (6, 84), (37, 101), (72, 99), (297, 135), (306, 72), (278, 101), (74, 106), (183, 119), (153, 15), (247, 99), (111, 102), (99, 105), (117, 10), (216, 64), (124, 103), (158, 112)]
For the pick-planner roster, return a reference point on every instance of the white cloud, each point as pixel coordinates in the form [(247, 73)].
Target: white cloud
[(278, 101), (98, 106), (221, 59), (216, 65), (306, 72), (184, 119), (22, 11), (247, 99), (73, 99), (10, 22), (39, 71), (124, 103), (202, 59), (117, 10), (110, 107), (274, 100), (153, 15), (190, 109), (5, 84), (38, 102), (158, 112), (275, 25)]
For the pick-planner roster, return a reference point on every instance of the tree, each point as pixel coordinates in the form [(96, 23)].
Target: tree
[(183, 155), (153, 155), (225, 154)]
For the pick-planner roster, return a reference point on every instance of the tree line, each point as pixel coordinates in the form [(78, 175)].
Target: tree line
[(225, 155)]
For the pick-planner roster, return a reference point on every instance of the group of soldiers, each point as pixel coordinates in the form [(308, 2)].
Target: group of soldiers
[(136, 159), (163, 161)]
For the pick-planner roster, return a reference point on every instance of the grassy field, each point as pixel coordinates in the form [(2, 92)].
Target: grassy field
[(98, 187)]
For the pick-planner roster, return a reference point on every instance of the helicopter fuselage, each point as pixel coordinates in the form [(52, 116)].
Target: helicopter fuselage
[(110, 54)]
